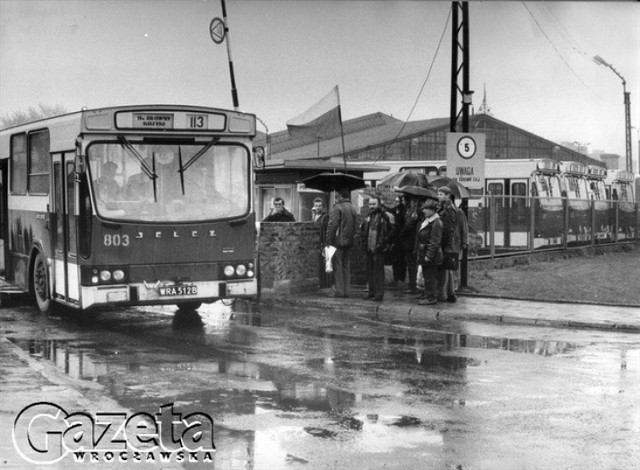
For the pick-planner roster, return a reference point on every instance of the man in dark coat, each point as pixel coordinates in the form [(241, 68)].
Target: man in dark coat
[(321, 219), (397, 252), (376, 231), (279, 213), (340, 234), (451, 244)]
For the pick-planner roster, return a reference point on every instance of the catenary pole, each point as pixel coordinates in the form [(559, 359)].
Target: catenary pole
[(234, 91)]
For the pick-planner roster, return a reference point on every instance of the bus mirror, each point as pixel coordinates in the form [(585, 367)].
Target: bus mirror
[(259, 157)]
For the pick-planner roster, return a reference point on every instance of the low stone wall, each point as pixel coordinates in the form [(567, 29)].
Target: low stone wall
[(289, 258), (288, 254)]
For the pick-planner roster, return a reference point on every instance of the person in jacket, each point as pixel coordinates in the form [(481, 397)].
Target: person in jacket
[(463, 229), (376, 231), (407, 240), (429, 240), (341, 231), (398, 262), (279, 213), (451, 245), (320, 218)]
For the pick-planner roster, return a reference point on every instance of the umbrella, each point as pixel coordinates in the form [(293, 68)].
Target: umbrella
[(457, 189), (404, 178), (334, 181), (418, 191)]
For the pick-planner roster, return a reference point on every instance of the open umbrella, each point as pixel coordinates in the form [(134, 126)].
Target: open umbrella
[(334, 181), (418, 191), (457, 189), (404, 178)]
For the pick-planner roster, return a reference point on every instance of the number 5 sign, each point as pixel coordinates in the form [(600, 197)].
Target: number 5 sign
[(465, 158)]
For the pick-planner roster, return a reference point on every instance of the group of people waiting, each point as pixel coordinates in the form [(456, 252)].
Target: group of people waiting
[(417, 232)]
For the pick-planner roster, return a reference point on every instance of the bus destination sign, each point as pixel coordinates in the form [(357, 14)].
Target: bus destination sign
[(153, 120), (171, 121)]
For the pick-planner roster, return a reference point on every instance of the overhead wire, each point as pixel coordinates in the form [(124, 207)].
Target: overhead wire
[(544, 33), (435, 56), (563, 31)]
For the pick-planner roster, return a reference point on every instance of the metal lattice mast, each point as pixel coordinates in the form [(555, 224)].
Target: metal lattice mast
[(460, 66)]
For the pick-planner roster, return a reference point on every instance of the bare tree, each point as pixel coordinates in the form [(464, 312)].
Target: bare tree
[(32, 114)]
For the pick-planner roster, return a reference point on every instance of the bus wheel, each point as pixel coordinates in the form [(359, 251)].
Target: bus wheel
[(41, 284), (188, 306)]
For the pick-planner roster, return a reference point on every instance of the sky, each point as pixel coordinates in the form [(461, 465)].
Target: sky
[(534, 58)]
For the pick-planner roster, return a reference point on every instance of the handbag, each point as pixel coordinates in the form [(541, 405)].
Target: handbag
[(450, 261)]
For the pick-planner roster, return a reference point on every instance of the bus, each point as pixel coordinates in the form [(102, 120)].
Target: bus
[(129, 205)]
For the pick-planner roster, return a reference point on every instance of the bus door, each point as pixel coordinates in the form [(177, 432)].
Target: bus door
[(4, 213), (64, 228)]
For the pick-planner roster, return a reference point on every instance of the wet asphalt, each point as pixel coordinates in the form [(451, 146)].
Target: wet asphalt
[(309, 382)]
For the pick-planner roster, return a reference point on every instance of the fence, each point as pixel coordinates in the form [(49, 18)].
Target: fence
[(506, 225)]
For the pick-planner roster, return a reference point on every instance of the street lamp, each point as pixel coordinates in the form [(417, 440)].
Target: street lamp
[(627, 104)]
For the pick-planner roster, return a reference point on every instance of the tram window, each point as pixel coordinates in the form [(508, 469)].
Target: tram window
[(496, 189), (39, 163), (19, 164), (518, 189)]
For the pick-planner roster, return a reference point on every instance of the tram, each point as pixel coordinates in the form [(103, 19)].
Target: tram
[(619, 185)]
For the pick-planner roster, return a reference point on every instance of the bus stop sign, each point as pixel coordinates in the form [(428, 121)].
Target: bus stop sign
[(465, 158)]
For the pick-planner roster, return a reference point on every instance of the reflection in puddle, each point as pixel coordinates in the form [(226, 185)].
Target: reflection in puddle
[(258, 408)]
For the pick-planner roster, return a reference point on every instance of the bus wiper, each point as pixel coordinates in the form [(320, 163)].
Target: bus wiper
[(150, 172), (155, 191), (197, 155), (181, 171)]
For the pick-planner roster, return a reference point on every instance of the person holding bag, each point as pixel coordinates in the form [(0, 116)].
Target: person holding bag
[(430, 256)]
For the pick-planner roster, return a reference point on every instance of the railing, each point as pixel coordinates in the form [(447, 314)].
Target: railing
[(506, 225)]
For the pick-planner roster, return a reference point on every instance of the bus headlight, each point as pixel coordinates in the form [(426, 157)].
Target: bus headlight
[(229, 270), (241, 270), (249, 273), (105, 276), (118, 275)]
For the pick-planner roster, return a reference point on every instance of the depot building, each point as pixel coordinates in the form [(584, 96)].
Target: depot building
[(382, 139)]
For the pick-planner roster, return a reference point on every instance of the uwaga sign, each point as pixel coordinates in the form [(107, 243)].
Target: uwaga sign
[(44, 433), (465, 158)]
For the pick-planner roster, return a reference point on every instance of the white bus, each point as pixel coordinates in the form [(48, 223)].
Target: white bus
[(129, 205)]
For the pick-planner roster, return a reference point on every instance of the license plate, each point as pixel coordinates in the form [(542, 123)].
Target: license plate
[(165, 291)]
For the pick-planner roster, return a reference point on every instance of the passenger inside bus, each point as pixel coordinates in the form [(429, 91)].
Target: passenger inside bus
[(108, 187)]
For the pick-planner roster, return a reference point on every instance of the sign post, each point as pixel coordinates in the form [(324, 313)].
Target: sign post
[(465, 165)]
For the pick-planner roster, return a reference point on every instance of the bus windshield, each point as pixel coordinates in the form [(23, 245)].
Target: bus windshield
[(169, 182)]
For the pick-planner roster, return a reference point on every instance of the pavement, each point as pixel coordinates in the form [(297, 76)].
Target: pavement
[(398, 308)]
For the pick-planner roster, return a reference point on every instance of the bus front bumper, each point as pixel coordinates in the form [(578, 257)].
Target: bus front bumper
[(162, 293)]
